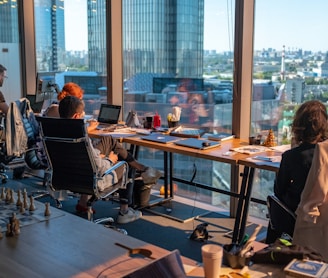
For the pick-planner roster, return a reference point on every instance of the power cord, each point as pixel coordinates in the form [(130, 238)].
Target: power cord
[(191, 181)]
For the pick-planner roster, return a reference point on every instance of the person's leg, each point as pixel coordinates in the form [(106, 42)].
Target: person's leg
[(82, 204), (108, 144)]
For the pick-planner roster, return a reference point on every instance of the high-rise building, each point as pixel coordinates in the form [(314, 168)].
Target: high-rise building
[(97, 36), (162, 37), (50, 39), (8, 22)]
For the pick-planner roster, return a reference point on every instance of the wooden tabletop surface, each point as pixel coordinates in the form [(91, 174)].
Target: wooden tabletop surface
[(69, 246)]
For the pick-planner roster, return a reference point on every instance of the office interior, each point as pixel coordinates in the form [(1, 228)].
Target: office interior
[(261, 87)]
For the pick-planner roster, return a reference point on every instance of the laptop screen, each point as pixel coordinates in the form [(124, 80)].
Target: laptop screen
[(109, 113)]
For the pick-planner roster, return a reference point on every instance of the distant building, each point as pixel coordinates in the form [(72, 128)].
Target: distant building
[(294, 90)]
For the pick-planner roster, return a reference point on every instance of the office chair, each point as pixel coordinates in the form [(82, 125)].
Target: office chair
[(71, 162), (281, 219)]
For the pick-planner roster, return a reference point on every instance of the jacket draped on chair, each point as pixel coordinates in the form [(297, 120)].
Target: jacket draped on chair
[(311, 228)]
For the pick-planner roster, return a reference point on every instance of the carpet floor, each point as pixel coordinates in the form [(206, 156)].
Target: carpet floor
[(163, 231)]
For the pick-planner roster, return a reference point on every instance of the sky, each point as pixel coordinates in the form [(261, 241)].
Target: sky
[(293, 23)]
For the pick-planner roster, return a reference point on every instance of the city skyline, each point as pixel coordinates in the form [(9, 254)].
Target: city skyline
[(277, 23)]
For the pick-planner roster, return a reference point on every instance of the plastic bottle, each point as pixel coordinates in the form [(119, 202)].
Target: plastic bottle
[(157, 121)]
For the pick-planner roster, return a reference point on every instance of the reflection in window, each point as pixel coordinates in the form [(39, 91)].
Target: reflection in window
[(179, 54)]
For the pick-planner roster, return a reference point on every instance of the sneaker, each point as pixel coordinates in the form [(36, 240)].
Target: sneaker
[(151, 175), (130, 216)]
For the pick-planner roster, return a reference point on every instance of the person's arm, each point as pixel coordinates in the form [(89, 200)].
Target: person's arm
[(3, 105)]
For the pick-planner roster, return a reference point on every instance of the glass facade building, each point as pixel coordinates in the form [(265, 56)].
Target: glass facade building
[(9, 22), (97, 36), (161, 38), (50, 39)]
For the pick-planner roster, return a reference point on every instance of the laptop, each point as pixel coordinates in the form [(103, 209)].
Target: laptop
[(108, 115), (160, 138), (198, 143)]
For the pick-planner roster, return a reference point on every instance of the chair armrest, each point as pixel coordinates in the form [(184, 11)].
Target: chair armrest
[(116, 166), (281, 204)]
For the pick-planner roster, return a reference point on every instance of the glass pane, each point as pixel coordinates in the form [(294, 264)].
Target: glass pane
[(179, 53), (71, 41), (10, 50), (290, 67)]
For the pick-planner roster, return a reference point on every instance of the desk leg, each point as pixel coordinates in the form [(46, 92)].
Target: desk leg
[(243, 204), (171, 176), (165, 176)]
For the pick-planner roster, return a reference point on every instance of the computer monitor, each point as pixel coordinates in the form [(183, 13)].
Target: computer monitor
[(45, 86)]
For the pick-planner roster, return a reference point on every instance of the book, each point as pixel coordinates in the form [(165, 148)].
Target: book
[(222, 136), (305, 269)]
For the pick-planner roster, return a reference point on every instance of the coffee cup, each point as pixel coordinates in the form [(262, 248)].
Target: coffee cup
[(212, 260)]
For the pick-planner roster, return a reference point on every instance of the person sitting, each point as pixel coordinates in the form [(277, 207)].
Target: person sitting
[(309, 127), (73, 108), (106, 145)]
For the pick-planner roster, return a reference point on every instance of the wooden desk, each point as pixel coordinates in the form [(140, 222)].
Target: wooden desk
[(215, 154), (218, 154), (69, 246)]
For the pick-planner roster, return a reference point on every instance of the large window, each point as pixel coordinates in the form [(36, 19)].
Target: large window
[(70, 38), (9, 49), (290, 67), (179, 53)]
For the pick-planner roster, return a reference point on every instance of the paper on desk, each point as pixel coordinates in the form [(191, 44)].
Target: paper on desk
[(272, 160), (251, 149), (281, 148)]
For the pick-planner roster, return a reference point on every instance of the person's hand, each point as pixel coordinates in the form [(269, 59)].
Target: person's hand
[(113, 157), (92, 124)]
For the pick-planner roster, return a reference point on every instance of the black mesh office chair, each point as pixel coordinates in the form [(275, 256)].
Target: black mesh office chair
[(281, 219), (71, 162)]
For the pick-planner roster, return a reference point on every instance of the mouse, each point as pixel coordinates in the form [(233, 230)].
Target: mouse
[(206, 144)]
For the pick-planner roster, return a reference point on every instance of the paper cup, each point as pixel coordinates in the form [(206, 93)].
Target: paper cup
[(173, 123), (212, 260)]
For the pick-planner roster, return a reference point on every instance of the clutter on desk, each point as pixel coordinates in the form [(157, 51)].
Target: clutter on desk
[(187, 132), (132, 119), (174, 117), (221, 136), (270, 141), (238, 255), (157, 121), (306, 268), (250, 149)]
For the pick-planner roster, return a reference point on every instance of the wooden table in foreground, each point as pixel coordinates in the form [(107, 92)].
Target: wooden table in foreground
[(69, 246)]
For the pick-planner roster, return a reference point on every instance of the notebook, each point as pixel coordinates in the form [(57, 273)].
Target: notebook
[(198, 143), (108, 115), (160, 138)]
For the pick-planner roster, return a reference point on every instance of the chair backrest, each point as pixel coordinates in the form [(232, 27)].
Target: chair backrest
[(282, 219), (72, 165)]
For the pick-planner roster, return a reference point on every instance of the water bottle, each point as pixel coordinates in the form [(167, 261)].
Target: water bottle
[(157, 121)]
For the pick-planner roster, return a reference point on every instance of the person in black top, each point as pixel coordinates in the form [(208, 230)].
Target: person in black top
[(309, 127)]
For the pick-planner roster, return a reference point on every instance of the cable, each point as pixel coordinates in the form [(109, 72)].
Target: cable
[(191, 181)]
